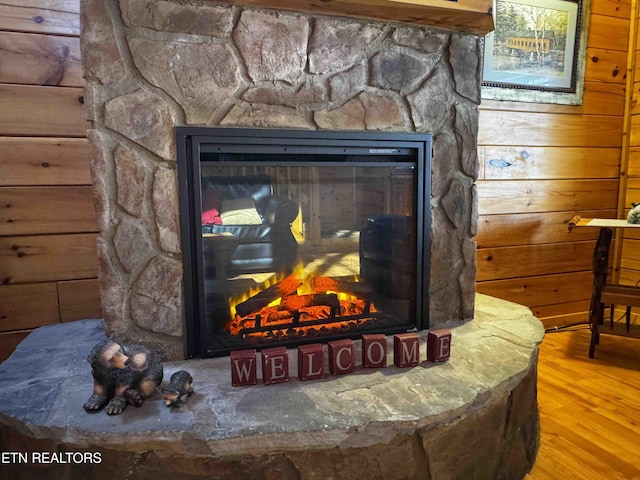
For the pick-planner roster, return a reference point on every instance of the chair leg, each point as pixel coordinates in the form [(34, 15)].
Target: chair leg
[(628, 318), (611, 312)]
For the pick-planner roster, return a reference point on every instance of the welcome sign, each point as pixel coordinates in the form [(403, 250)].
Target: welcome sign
[(311, 360)]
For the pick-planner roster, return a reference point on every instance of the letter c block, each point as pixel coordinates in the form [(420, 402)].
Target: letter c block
[(374, 350), (438, 345), (310, 361), (406, 350), (341, 357), (243, 367), (275, 365)]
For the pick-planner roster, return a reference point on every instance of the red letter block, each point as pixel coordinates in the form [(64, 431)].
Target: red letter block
[(243, 367), (438, 345), (275, 365), (374, 350), (310, 361), (341, 358), (406, 350)]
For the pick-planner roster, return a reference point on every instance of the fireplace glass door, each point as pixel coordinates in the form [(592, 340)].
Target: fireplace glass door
[(297, 237)]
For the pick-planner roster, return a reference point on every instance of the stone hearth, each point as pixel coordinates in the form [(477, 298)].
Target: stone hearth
[(152, 65), (474, 416)]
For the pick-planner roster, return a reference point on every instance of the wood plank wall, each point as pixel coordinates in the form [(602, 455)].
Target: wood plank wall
[(48, 265), (630, 259), (563, 161)]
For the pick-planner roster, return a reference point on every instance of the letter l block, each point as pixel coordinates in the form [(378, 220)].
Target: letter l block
[(310, 361), (243, 367)]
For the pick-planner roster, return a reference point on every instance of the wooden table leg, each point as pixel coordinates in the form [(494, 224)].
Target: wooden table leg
[(600, 266)]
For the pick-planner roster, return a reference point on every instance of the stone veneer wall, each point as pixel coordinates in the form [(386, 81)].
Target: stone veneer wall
[(151, 65)]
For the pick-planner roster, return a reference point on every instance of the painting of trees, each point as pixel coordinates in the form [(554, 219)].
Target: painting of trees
[(529, 37)]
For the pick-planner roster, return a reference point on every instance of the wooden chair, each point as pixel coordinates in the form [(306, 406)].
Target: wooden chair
[(606, 293), (627, 295)]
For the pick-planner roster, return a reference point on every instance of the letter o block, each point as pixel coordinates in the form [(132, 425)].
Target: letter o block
[(310, 361), (341, 357), (374, 350), (275, 365), (243, 367), (406, 350), (438, 345)]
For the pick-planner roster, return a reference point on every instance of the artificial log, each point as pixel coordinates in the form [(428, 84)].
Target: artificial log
[(296, 302), (278, 316), (287, 286), (357, 289)]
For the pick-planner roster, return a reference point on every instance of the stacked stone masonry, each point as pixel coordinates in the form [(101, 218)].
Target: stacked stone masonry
[(474, 416), (152, 65)]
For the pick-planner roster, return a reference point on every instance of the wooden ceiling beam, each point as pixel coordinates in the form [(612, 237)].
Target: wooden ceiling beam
[(466, 16)]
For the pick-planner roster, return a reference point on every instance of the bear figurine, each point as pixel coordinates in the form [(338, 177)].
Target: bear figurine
[(122, 375), (179, 388), (634, 214)]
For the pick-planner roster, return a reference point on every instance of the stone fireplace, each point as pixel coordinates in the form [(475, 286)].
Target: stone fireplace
[(155, 68), (152, 66)]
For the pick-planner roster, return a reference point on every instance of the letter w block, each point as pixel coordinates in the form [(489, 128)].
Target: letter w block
[(243, 367), (406, 350)]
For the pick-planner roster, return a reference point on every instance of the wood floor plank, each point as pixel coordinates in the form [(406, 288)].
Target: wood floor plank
[(589, 408)]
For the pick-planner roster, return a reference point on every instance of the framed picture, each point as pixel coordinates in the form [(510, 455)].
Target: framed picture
[(537, 51)]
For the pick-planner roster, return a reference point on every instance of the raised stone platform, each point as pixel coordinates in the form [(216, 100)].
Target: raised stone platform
[(474, 416)]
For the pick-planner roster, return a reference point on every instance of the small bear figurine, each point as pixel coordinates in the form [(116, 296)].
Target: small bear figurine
[(634, 214), (122, 375), (179, 388)]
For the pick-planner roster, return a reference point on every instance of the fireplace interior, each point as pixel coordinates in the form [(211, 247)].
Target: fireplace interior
[(294, 237)]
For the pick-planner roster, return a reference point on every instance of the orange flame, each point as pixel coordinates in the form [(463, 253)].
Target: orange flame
[(302, 283)]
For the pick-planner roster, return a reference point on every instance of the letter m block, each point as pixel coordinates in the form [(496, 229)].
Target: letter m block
[(275, 365), (243, 367), (438, 345), (406, 350)]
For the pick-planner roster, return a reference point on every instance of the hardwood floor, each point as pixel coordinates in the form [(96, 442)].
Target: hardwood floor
[(589, 409)]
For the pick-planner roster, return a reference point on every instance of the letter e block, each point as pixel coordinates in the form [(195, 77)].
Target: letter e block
[(341, 357), (438, 345), (275, 365), (243, 367), (374, 350), (406, 350), (310, 361)]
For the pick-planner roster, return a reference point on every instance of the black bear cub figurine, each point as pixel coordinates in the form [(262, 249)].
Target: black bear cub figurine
[(122, 374), (179, 388)]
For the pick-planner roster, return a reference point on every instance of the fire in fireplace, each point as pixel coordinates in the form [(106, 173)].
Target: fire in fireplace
[(303, 305), (294, 237)]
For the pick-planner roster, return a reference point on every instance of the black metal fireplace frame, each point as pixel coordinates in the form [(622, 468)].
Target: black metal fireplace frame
[(191, 141)]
